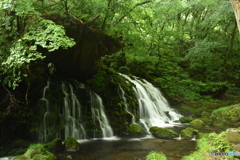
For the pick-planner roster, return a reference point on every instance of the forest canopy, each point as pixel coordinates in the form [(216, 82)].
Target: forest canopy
[(188, 48)]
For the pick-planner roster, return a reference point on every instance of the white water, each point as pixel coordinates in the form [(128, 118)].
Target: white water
[(98, 114), (72, 113), (154, 109)]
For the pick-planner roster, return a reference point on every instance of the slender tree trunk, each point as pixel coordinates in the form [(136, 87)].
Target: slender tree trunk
[(236, 9)]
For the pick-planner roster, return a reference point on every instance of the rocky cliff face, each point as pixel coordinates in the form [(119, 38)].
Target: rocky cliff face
[(79, 62)]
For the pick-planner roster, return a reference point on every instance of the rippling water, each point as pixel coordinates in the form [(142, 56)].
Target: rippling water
[(130, 149)]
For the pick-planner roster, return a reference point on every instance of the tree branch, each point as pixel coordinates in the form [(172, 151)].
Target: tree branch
[(92, 20), (138, 4)]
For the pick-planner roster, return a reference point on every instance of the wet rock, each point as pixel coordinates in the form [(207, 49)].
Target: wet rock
[(164, 133), (197, 123), (233, 135), (188, 133), (71, 144), (233, 130), (136, 129), (185, 119)]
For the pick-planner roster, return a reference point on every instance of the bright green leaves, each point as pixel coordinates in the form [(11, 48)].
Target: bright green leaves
[(22, 32), (16, 65), (48, 35)]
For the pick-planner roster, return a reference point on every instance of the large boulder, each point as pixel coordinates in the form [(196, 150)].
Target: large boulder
[(197, 123), (135, 129), (188, 133), (164, 133), (233, 135), (227, 116)]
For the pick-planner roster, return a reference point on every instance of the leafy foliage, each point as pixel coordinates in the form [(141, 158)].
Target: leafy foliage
[(25, 31)]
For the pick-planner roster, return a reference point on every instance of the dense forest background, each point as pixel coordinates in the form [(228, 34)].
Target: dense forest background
[(189, 49)]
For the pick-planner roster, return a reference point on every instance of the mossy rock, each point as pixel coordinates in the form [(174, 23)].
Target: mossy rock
[(136, 129), (226, 116), (156, 156), (188, 133), (164, 133), (207, 121), (233, 137), (71, 144), (55, 146), (205, 114), (185, 119), (36, 152), (197, 123)]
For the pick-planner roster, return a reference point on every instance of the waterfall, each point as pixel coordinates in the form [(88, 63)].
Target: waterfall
[(63, 113), (154, 109), (45, 106), (72, 113), (98, 114)]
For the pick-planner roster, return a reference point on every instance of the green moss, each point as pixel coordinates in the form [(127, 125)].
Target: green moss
[(188, 133), (197, 123), (226, 116), (207, 121), (211, 143), (205, 114), (185, 119), (71, 144), (156, 156), (36, 152), (163, 132), (136, 129)]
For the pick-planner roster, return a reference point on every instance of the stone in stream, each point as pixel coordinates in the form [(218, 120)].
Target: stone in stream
[(71, 144), (164, 133), (197, 123), (188, 133)]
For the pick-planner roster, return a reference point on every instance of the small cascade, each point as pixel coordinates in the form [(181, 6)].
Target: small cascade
[(126, 104), (178, 138), (154, 109), (98, 114), (193, 139), (50, 124), (72, 113)]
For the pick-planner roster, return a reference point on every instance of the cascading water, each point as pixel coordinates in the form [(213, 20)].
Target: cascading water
[(154, 109), (63, 116), (72, 112), (98, 114)]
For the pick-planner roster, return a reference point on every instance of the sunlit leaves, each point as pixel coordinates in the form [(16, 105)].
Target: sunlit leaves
[(48, 35), (22, 31)]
